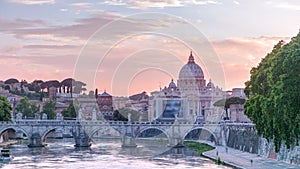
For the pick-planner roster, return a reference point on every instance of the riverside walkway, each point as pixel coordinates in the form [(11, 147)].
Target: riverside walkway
[(240, 159)]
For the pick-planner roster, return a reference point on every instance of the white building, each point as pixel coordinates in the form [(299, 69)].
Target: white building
[(192, 98), (167, 104)]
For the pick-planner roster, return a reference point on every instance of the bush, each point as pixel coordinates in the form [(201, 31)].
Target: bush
[(218, 161)]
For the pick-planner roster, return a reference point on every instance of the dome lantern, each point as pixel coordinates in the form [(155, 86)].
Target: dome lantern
[(191, 58)]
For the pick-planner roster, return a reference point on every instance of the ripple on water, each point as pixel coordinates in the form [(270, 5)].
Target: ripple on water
[(101, 155)]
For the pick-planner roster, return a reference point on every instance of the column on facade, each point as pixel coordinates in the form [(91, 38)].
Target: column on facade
[(199, 108)]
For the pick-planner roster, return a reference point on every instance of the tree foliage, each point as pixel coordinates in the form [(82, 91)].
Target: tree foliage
[(11, 81), (5, 109), (225, 103), (274, 93), (49, 109), (122, 115), (229, 101), (27, 108), (70, 112), (79, 87)]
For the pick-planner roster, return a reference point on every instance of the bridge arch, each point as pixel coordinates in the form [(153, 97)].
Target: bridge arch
[(103, 129), (2, 130), (205, 132), (155, 128), (47, 132)]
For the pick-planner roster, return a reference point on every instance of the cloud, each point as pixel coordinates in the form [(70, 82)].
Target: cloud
[(63, 10), (288, 6), (43, 42), (81, 5), (39, 59), (11, 50), (285, 5), (84, 28), (236, 2), (32, 2), (50, 46), (202, 2), (38, 29), (144, 4), (8, 26), (114, 2)]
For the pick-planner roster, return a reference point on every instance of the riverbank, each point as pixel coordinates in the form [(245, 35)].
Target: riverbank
[(244, 160), (197, 146), (9, 143), (201, 148)]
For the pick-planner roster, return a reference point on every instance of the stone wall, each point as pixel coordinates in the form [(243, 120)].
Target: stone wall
[(292, 155), (246, 139)]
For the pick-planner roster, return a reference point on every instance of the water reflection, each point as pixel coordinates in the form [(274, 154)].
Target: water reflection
[(104, 153)]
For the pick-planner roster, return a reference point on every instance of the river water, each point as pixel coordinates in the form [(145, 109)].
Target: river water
[(104, 153)]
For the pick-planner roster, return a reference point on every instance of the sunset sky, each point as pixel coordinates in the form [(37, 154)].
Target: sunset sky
[(127, 47)]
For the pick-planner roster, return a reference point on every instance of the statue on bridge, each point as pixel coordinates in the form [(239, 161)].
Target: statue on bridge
[(44, 116), (94, 114), (59, 116), (37, 115), (80, 113), (129, 117), (19, 116)]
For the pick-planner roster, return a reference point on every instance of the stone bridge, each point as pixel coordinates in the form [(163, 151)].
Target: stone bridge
[(82, 131)]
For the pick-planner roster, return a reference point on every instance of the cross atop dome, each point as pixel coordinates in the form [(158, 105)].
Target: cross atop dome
[(191, 58)]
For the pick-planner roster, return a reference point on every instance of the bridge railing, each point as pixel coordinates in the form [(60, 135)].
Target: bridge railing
[(46, 122), (5, 122), (77, 122)]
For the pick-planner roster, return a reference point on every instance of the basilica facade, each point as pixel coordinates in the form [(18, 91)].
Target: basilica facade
[(191, 99)]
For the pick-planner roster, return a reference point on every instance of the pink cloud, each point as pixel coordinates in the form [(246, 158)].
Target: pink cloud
[(32, 2), (9, 26), (49, 52), (144, 4)]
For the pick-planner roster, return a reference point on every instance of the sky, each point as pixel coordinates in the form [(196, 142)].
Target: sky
[(129, 46)]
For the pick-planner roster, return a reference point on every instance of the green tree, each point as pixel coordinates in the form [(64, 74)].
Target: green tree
[(67, 85), (11, 81), (5, 109), (274, 93), (27, 108), (227, 102), (49, 109), (70, 112)]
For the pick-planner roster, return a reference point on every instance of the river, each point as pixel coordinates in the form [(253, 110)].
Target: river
[(104, 153)]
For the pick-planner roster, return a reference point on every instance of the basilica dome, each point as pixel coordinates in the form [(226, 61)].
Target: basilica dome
[(191, 69)]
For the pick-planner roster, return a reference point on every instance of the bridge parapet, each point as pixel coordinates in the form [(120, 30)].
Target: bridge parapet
[(5, 122), (84, 130)]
